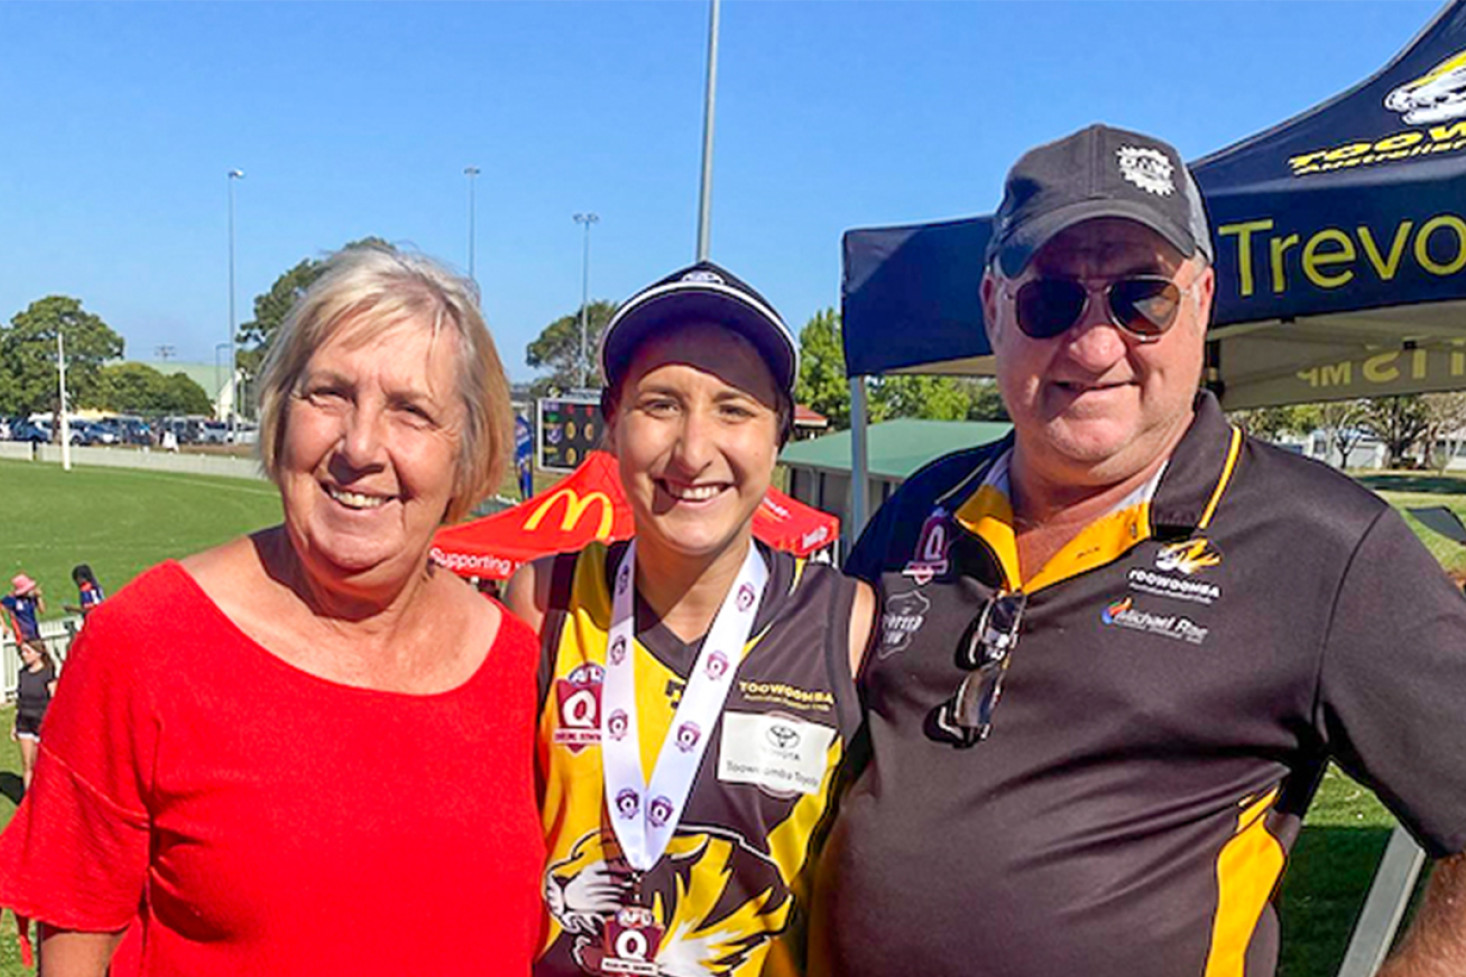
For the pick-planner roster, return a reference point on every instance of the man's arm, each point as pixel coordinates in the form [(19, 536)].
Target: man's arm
[(1435, 945)]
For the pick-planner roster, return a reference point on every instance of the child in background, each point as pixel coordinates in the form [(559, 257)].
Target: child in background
[(24, 602), (36, 685), (89, 591)]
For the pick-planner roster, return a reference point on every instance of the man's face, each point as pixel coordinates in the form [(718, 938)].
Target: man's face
[(1095, 405)]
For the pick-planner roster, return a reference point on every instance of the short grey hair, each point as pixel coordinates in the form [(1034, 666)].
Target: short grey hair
[(369, 290)]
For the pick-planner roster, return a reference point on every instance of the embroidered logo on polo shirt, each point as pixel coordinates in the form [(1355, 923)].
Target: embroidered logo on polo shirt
[(1189, 556), (902, 618), (930, 557), (1177, 566), (1123, 613)]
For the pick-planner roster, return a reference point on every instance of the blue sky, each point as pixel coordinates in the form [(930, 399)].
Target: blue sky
[(119, 122)]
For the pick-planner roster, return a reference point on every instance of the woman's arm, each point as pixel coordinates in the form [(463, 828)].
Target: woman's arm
[(69, 953), (528, 593), (862, 623)]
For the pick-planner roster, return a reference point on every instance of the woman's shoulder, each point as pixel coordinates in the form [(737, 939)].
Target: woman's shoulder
[(166, 585)]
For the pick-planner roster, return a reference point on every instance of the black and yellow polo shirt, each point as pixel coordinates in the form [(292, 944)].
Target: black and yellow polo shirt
[(1184, 670), (729, 895)]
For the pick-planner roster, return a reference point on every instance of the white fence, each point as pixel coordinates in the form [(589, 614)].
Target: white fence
[(150, 460), (57, 635)]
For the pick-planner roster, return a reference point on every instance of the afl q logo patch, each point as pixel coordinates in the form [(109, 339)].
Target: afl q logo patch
[(628, 803), (745, 597), (616, 724), (717, 665), (618, 650), (783, 737), (578, 707), (659, 811), (687, 736)]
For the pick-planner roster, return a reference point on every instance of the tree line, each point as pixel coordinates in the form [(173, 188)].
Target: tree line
[(1418, 429), (94, 378)]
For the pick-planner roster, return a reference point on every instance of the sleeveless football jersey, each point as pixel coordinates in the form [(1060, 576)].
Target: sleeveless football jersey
[(728, 896)]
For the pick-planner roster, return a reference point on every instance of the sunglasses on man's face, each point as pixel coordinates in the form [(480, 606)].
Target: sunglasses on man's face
[(1145, 306), (968, 716)]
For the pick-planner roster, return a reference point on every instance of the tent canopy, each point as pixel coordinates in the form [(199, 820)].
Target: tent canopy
[(588, 505), (1340, 238)]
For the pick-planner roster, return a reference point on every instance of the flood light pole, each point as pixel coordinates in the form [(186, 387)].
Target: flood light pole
[(233, 354), (471, 172), (587, 219)]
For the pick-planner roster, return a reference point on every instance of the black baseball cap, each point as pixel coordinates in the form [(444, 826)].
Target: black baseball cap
[(1097, 172), (703, 292)]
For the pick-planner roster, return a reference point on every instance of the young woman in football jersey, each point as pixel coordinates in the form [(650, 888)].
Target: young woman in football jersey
[(697, 692)]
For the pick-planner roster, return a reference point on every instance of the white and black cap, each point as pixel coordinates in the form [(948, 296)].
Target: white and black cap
[(1097, 172), (702, 293)]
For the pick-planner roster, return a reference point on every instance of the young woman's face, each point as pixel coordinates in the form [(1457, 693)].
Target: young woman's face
[(696, 432), (29, 655)]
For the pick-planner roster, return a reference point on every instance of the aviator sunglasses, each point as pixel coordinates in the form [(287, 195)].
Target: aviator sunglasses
[(1144, 306), (968, 716)]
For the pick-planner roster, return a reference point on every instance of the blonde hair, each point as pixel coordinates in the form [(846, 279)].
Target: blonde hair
[(370, 290)]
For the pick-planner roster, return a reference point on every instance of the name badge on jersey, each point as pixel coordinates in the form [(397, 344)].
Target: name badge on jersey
[(782, 755)]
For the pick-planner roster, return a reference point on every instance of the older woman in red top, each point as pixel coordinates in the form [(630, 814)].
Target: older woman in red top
[(307, 751)]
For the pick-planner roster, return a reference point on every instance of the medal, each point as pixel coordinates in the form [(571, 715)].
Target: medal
[(643, 811)]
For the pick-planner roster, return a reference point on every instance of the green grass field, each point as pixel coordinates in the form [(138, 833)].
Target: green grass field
[(117, 520), (122, 521)]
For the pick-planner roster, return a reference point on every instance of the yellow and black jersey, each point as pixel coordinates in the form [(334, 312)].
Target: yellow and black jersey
[(1183, 671), (728, 896)]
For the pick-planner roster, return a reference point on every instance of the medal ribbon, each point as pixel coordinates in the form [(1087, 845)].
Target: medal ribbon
[(645, 812)]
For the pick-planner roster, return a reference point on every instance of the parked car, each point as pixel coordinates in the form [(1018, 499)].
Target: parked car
[(90, 432), (213, 432), (23, 430)]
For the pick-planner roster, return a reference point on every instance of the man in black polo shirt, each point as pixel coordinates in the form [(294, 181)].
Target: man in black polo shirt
[(1120, 647)]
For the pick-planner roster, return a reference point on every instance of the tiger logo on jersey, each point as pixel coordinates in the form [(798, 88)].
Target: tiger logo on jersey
[(1188, 556), (696, 924)]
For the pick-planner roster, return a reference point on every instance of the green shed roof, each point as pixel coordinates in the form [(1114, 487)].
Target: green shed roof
[(202, 374), (897, 448)]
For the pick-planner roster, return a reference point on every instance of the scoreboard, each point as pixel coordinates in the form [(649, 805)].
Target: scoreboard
[(569, 429)]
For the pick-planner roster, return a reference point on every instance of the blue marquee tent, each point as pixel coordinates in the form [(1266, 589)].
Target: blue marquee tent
[(1340, 238)]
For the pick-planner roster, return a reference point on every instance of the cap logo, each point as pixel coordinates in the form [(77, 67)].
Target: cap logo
[(703, 275), (1147, 168)]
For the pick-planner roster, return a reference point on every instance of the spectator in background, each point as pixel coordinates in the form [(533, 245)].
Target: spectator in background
[(24, 602), (88, 591), (35, 685)]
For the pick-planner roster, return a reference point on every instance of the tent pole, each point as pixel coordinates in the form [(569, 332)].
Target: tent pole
[(859, 460)]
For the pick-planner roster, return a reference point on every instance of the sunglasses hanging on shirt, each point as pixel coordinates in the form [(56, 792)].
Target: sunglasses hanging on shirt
[(967, 718)]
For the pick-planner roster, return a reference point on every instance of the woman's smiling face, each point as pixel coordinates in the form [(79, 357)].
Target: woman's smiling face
[(696, 432), (370, 454)]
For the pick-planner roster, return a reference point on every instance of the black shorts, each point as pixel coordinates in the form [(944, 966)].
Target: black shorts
[(28, 726)]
